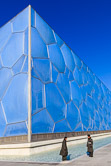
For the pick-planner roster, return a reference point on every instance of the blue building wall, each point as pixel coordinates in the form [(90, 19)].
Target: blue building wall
[(66, 94), (14, 76)]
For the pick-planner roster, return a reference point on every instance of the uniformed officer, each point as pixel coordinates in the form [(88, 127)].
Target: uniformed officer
[(90, 146)]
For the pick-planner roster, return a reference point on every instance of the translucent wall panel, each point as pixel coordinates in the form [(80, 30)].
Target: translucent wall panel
[(43, 69), (33, 17), (56, 57), (20, 22), (54, 74), (38, 95), (13, 77), (79, 127), (13, 47), (42, 122), (85, 118), (91, 106), (64, 89), (2, 121), (78, 76), (16, 129), (24, 68), (67, 72), (66, 94), (76, 93), (5, 75), (39, 48), (0, 63), (70, 76), (44, 29), (26, 42), (58, 40), (15, 97), (18, 65), (54, 102), (68, 57), (77, 60), (64, 82), (62, 126), (5, 33), (73, 115)]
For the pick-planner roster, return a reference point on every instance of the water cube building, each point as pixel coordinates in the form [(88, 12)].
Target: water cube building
[(44, 86)]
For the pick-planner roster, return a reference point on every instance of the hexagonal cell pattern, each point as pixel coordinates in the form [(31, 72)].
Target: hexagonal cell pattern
[(54, 102), (5, 33), (38, 95), (85, 118), (13, 76), (73, 115), (62, 126), (68, 57), (13, 47), (76, 94), (75, 98), (21, 21), (43, 68), (78, 76), (58, 40), (17, 97), (42, 122), (39, 48), (66, 94), (16, 129), (45, 30), (64, 82), (56, 57), (6, 76)]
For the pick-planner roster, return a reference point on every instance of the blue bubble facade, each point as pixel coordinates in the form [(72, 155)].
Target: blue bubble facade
[(66, 94), (14, 76)]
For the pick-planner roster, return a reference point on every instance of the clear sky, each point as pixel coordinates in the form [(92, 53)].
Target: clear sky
[(85, 25)]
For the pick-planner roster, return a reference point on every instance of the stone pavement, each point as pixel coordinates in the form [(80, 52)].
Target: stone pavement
[(102, 157)]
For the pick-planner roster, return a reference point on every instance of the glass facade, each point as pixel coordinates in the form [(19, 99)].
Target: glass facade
[(66, 94), (64, 89), (14, 76)]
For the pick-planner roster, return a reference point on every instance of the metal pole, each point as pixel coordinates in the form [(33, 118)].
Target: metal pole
[(29, 77)]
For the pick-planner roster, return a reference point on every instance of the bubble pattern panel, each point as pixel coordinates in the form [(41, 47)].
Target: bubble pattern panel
[(14, 76), (66, 94)]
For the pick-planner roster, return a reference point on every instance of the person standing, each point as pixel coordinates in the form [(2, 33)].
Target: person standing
[(64, 150), (90, 146)]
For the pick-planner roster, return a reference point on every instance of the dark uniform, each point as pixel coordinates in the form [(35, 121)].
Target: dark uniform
[(90, 147), (64, 150)]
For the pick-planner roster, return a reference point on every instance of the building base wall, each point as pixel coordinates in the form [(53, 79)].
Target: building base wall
[(25, 149), (51, 136), (45, 137), (13, 139)]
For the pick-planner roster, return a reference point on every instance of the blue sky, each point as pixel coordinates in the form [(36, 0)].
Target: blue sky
[(85, 25)]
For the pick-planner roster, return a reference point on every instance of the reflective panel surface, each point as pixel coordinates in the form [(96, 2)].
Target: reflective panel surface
[(64, 87), (13, 76), (66, 95)]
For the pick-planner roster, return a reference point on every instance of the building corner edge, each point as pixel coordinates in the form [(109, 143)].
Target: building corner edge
[(29, 78)]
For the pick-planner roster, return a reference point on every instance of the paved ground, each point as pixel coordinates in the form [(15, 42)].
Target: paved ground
[(102, 157)]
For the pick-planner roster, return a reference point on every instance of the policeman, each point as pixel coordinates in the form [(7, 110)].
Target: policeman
[(90, 146)]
